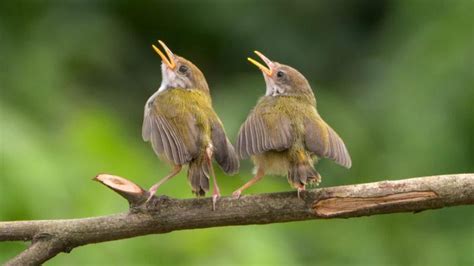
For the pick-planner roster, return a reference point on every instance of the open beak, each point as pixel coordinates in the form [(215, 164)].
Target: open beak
[(168, 59), (265, 69)]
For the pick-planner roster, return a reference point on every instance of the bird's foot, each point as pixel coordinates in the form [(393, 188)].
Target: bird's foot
[(215, 197), (152, 192), (236, 194), (299, 190)]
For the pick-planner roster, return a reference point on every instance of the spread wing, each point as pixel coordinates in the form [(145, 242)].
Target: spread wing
[(224, 152), (321, 139), (165, 137), (264, 132)]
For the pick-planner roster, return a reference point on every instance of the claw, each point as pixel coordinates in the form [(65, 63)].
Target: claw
[(236, 194), (149, 198), (214, 200), (154, 188), (299, 190), (152, 192)]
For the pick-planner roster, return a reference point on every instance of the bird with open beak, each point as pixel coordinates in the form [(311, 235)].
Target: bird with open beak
[(284, 134), (184, 129)]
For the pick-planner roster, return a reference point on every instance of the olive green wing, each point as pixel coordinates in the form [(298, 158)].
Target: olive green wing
[(180, 147), (321, 139), (263, 132), (224, 152)]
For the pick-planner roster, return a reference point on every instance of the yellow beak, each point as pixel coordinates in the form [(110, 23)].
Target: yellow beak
[(169, 58), (265, 69)]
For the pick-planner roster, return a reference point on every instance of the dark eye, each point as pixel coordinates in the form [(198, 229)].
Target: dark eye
[(183, 69), (280, 74)]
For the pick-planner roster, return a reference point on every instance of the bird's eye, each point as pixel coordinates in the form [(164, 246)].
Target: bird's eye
[(183, 69), (280, 74)]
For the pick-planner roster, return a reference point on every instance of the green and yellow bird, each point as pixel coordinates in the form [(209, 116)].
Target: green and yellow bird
[(184, 129), (284, 134)]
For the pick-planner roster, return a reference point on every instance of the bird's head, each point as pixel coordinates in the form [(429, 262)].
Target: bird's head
[(281, 79), (179, 72)]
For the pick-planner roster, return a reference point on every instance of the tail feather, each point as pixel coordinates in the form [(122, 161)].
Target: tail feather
[(302, 174), (198, 177)]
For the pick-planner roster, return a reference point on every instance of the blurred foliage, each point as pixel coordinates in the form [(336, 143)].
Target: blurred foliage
[(394, 78)]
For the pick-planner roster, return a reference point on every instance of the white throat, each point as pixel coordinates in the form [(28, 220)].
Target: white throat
[(271, 88), (170, 79), (269, 85)]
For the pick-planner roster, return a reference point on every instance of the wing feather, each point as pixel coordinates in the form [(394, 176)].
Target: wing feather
[(248, 143), (259, 134), (321, 139), (224, 152), (253, 137), (165, 138)]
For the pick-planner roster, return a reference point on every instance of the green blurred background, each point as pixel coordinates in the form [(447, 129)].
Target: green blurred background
[(394, 78)]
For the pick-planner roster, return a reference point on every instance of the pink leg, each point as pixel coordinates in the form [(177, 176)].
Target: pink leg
[(260, 174), (215, 189), (299, 189), (154, 188)]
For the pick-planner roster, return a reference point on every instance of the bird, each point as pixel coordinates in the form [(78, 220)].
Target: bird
[(183, 128), (284, 133)]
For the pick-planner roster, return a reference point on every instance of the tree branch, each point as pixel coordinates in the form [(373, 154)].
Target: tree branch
[(163, 214)]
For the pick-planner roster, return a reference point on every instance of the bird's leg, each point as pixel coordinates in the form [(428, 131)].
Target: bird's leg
[(299, 189), (154, 188), (260, 174), (215, 191)]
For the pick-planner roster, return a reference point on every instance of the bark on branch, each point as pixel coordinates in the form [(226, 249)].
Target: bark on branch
[(163, 214)]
